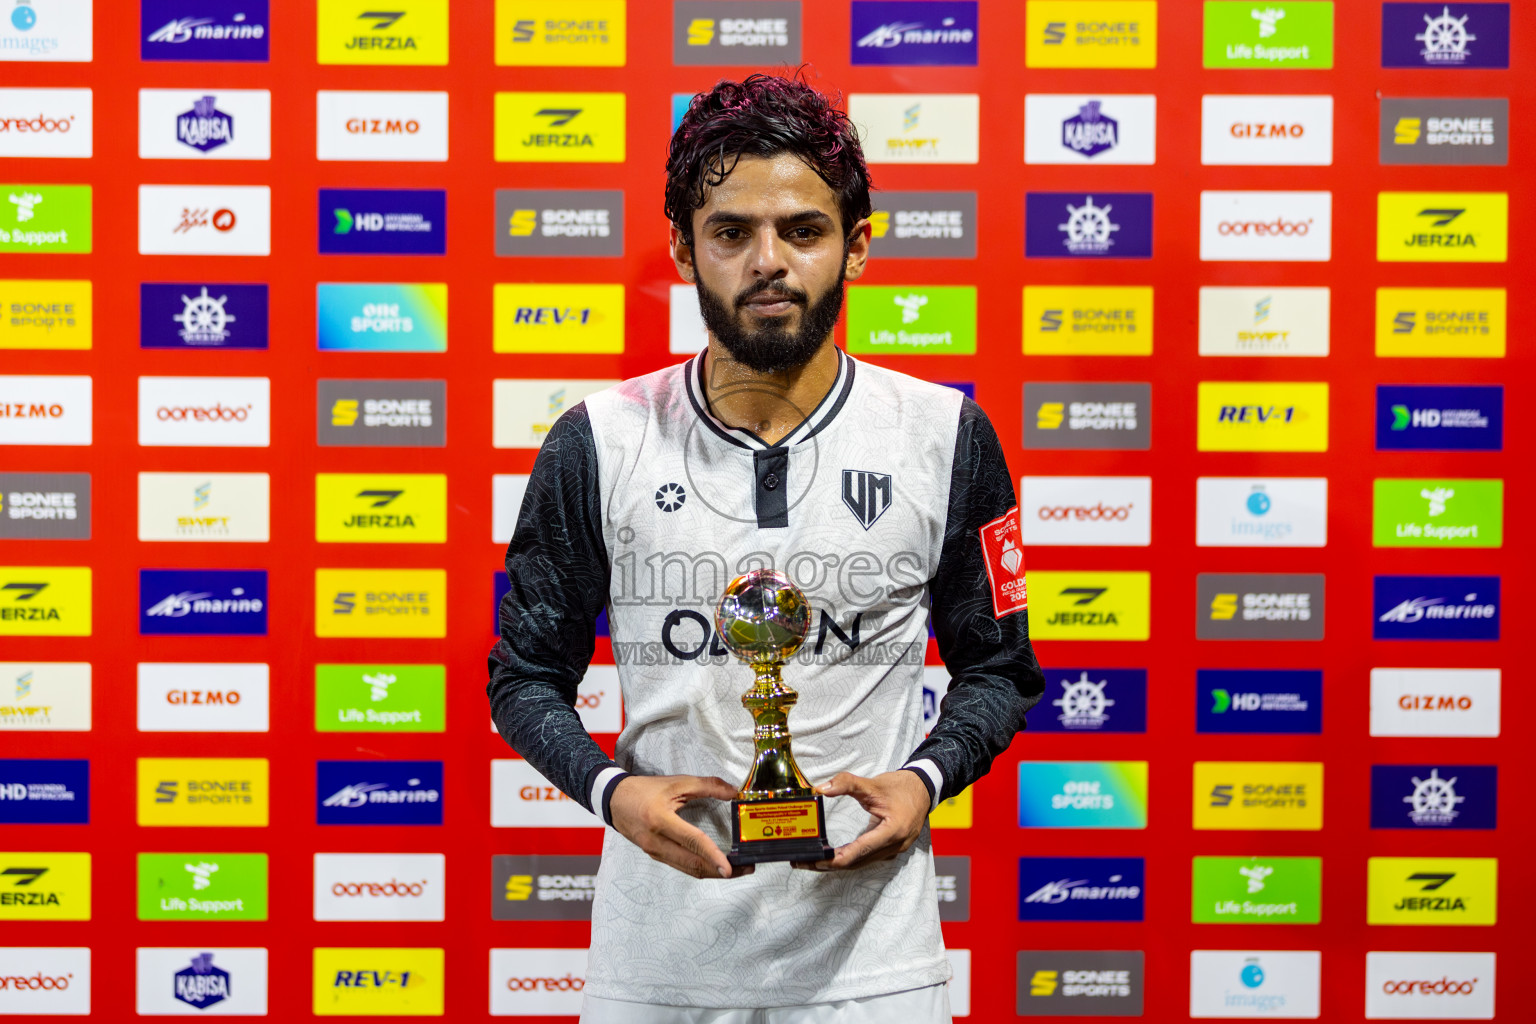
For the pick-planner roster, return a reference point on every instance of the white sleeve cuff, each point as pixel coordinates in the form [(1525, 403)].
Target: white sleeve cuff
[(932, 773), (605, 778)]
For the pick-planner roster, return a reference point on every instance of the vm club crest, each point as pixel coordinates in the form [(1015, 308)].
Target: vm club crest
[(867, 495)]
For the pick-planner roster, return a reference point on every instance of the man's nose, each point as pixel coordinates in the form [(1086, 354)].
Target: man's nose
[(768, 260)]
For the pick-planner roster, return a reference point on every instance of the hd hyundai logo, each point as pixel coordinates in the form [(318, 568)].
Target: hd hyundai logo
[(866, 494)]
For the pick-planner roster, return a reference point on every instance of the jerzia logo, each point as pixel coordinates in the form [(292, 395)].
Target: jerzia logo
[(867, 495), (1432, 890)]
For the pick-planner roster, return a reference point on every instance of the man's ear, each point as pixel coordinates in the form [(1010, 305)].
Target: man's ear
[(858, 250), (682, 254)]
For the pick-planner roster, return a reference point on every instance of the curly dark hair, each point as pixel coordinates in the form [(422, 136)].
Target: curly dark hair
[(763, 115)]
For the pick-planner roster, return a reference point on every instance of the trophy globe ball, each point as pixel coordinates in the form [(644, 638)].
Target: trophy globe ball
[(763, 617)]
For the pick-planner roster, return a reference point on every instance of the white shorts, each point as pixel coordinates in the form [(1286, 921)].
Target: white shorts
[(928, 1005)]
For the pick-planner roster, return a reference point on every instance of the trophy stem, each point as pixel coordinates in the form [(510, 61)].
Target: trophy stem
[(774, 772)]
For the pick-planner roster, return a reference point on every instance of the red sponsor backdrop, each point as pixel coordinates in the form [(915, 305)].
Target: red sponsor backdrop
[(994, 842)]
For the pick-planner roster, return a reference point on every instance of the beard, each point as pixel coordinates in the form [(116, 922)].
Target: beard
[(771, 347)]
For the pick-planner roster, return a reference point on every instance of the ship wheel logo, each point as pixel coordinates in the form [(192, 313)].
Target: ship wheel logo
[(1088, 228), (1433, 799), (1082, 702), (203, 319), (1445, 38)]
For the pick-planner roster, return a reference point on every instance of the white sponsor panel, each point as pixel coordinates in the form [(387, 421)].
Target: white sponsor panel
[(960, 983), (507, 490), (45, 980), (1246, 321), (379, 886), (599, 702), (686, 333), (45, 696), (205, 220), (1429, 986), (934, 684), (202, 980), (47, 30), (390, 126), (1261, 983), (205, 412), (1261, 512), (45, 410), (1069, 129), (1114, 511), (917, 128), (1435, 702), (522, 798), (205, 507), (45, 123), (205, 124), (537, 982), (1281, 226), (524, 410), (1267, 131), (184, 696)]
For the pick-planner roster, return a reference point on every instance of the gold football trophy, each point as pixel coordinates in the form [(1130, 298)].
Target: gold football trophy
[(763, 618)]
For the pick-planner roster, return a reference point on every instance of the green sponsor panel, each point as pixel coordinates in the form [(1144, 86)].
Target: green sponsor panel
[(1439, 514), (1257, 890), (1268, 35), (920, 319), (380, 698), (202, 887), (45, 218)]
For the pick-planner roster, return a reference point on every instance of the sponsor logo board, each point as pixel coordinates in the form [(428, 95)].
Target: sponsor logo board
[(925, 225), (1241, 416), (379, 792), (52, 980), (1280, 226), (589, 33), (1260, 983), (45, 696), (44, 122), (1257, 890), (381, 317), (1434, 796), (45, 218), (1438, 513), (1091, 605), (1086, 510), (525, 409), (1266, 131), (384, 221), (955, 812), (202, 887), (1438, 417), (203, 792), (205, 220), (522, 798), (1298, 34), (1258, 700), (686, 333), (930, 32), (1444, 131), (1086, 700), (559, 222), (1087, 320), (204, 507), (1282, 512), (1079, 983), (37, 791), (203, 602), (1435, 702), (952, 876), (744, 32), (381, 413), (378, 981), (194, 980), (1259, 606), (44, 887), (916, 319), (1432, 890), (381, 602), (1444, 35), (45, 410), (1099, 34), (205, 412), (380, 698), (1098, 128), (202, 315), (60, 31), (558, 318), (538, 982), (213, 30), (560, 127), (545, 887), (507, 490), (45, 506), (1081, 225), (193, 697), (379, 886), (1429, 986), (201, 124), (1442, 227), (1247, 321), (917, 128), (45, 600), (1083, 794), (1082, 889), (40, 314), (371, 508), (1457, 323), (392, 126), (1258, 795), (1435, 608), (350, 33), (1087, 415)]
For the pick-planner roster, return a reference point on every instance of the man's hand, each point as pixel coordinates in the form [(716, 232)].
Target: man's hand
[(644, 809), (897, 803)]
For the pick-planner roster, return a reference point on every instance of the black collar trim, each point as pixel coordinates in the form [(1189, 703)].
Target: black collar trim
[(826, 410)]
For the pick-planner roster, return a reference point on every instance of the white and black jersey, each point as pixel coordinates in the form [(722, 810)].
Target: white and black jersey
[(889, 506)]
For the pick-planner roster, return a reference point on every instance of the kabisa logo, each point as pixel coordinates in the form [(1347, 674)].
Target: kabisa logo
[(1435, 608), (37, 506), (1432, 890), (1259, 606), (1103, 34), (925, 225), (45, 887), (1439, 417), (381, 413), (1444, 35), (205, 127), (542, 887), (1240, 34), (379, 792), (1464, 323), (1442, 227), (1444, 131), (1226, 983), (384, 221), (905, 34), (45, 792), (1077, 983), (1087, 415), (1082, 794), (382, 317), (211, 30), (404, 34), (38, 600), (756, 32), (202, 985), (1435, 702), (1282, 512), (203, 602), (1258, 700), (1089, 131), (202, 887), (1258, 795), (559, 222), (1093, 226), (1090, 700), (1081, 888), (1257, 890), (1091, 605), (202, 315), (1440, 796), (560, 127), (1092, 128)]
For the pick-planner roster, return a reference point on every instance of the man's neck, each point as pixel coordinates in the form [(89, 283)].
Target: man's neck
[(770, 405)]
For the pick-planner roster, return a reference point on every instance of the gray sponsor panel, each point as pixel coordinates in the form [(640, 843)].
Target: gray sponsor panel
[(542, 888), (381, 413), (1443, 131), (1080, 983), (1114, 417), (954, 881), (559, 222), (735, 32), (1259, 606), (925, 225), (45, 506)]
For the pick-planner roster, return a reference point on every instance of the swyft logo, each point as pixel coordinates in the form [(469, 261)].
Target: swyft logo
[(921, 128), (45, 696)]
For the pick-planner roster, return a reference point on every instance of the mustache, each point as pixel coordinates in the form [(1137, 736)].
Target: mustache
[(777, 289)]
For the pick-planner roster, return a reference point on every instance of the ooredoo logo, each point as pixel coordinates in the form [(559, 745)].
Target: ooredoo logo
[(205, 411), (1437, 986), (1281, 226), (45, 980), (379, 886), (569, 983), (536, 982), (45, 122), (1087, 510), (214, 412)]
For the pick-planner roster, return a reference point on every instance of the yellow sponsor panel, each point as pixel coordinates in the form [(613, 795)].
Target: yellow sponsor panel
[(381, 602), (1464, 323), (1259, 795), (45, 314), (575, 33), (1261, 416), (206, 792), (583, 318), (45, 886), (560, 127), (400, 32), (952, 813), (1432, 890), (1087, 321), (1442, 227), (45, 600), (1089, 605), (378, 981), (1085, 34), (381, 508)]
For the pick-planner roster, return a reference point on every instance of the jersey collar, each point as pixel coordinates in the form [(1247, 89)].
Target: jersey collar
[(826, 410)]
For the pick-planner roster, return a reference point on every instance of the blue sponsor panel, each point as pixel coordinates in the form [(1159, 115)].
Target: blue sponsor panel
[(965, 387), (202, 315), (906, 33), (1435, 608), (1082, 889), (384, 221), (1442, 35), (499, 588), (1083, 225), (1259, 700), (45, 792), (1441, 418), (219, 30), (202, 602), (1091, 700), (378, 792), (1434, 796)]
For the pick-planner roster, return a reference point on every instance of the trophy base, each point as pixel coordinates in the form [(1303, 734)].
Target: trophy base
[(792, 828)]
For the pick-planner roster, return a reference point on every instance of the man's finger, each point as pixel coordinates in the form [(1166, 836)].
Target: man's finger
[(845, 784), (879, 840), (696, 787), (671, 854), (696, 842)]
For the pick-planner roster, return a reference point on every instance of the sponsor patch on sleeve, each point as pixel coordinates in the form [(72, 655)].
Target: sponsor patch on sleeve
[(1005, 563)]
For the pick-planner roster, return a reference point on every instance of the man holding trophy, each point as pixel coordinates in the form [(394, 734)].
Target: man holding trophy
[(770, 501)]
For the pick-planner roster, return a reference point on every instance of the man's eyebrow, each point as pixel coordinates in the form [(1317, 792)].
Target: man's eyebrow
[(802, 217)]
